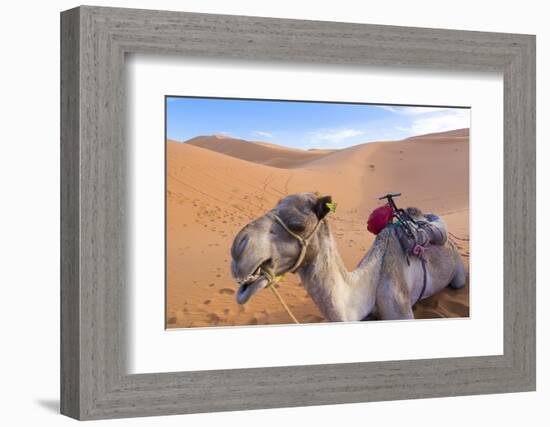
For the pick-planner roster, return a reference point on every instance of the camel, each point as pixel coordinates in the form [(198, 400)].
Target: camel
[(295, 237)]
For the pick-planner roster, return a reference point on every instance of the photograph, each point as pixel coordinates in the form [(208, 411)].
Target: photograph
[(298, 211)]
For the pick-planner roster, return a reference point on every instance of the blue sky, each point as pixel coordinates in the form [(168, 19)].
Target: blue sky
[(303, 124)]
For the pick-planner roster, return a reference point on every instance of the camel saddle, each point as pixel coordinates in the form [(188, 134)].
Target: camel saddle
[(416, 231)]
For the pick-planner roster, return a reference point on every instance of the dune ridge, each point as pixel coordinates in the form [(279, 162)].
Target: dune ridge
[(255, 151), (213, 193)]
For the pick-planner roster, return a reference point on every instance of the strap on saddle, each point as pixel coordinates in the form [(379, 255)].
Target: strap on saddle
[(423, 261), (417, 250)]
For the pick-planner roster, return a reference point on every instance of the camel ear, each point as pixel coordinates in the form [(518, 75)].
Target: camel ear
[(321, 209)]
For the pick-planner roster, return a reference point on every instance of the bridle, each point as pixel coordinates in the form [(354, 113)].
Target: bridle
[(304, 242)]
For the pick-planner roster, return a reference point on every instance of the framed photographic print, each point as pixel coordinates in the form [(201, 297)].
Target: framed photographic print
[(345, 212)]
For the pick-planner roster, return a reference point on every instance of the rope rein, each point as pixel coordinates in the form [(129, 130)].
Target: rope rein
[(304, 242), (282, 301)]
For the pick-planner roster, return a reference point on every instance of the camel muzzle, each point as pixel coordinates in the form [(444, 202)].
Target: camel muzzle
[(247, 289)]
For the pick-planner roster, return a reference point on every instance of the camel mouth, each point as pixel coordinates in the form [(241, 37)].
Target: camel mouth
[(253, 283), (246, 290)]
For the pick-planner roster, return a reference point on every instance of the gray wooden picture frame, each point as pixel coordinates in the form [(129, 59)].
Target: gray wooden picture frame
[(94, 381)]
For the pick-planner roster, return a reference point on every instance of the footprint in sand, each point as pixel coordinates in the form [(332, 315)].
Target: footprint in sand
[(226, 291), (214, 319)]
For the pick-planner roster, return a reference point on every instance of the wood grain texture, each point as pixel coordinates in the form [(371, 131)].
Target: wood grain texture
[(95, 275), (70, 221)]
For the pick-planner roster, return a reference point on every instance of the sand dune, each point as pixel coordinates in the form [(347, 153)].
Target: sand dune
[(444, 136), (258, 152), (212, 194)]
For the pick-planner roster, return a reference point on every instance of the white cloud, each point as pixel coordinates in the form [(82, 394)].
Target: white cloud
[(423, 120), (447, 120), (262, 133), (333, 136), (413, 111)]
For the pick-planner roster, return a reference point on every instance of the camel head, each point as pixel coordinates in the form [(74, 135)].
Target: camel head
[(270, 245)]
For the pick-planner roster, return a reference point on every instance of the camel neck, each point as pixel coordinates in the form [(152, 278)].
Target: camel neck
[(340, 295)]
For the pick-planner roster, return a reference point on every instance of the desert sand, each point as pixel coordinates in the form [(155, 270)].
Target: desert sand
[(216, 185)]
